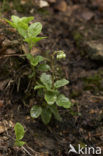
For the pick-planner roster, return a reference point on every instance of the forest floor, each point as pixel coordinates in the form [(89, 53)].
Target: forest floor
[(72, 30)]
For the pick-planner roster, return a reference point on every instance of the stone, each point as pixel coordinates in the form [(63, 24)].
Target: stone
[(61, 6), (96, 50)]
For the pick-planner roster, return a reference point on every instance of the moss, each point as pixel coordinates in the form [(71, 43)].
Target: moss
[(78, 37), (43, 11), (75, 94), (94, 82)]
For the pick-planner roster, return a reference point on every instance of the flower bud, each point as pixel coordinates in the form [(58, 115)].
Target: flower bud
[(61, 55)]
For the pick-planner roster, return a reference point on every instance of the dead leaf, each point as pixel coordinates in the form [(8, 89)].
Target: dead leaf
[(44, 154), (2, 21), (35, 51), (92, 111), (1, 103), (25, 48), (72, 9), (3, 83), (23, 2), (2, 37), (10, 51), (5, 125), (2, 129), (7, 43)]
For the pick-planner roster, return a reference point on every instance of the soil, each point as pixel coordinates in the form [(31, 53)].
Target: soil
[(83, 123)]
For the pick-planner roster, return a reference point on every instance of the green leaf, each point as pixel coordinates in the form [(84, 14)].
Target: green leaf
[(55, 112), (46, 79), (19, 143), (50, 97), (15, 19), (53, 91), (46, 115), (26, 19), (39, 86), (34, 29), (40, 93), (30, 58), (33, 40), (37, 59), (34, 60), (19, 131), (22, 29), (60, 83), (22, 25), (44, 67), (11, 23), (22, 32), (63, 101), (31, 75), (35, 111)]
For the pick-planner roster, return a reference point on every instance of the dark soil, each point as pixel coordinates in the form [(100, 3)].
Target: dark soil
[(83, 123)]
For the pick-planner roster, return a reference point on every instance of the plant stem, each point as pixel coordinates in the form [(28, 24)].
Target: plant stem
[(53, 70), (53, 66)]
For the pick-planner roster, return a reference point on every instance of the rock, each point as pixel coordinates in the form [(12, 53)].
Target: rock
[(61, 6), (87, 15), (43, 4), (96, 50)]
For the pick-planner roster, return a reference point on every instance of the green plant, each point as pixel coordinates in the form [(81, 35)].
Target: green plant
[(19, 132), (47, 86), (28, 32)]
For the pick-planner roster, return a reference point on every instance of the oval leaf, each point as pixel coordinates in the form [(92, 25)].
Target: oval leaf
[(35, 111), (26, 19), (22, 29), (44, 67), (46, 115), (63, 101), (15, 19), (50, 97), (34, 29), (46, 79), (55, 112), (19, 131), (34, 60), (60, 83), (37, 60), (39, 86)]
